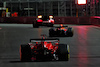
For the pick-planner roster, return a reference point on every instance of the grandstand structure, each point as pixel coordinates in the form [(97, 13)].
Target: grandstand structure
[(51, 7)]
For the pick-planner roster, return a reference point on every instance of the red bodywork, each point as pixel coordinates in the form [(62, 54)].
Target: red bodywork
[(44, 44), (49, 21), (43, 48), (40, 20)]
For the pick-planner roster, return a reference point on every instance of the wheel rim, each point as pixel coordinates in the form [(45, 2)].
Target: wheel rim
[(68, 52)]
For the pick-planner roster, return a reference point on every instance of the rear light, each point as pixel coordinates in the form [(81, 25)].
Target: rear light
[(50, 17), (39, 20), (40, 16), (51, 20)]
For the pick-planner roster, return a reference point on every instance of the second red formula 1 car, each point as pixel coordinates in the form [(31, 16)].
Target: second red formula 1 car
[(43, 21), (43, 50)]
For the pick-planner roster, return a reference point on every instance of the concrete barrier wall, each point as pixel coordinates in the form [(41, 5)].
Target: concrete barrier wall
[(84, 20), (95, 20), (18, 20), (66, 20), (73, 20)]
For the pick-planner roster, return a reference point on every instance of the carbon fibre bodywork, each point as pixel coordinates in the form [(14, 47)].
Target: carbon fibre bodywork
[(61, 31)]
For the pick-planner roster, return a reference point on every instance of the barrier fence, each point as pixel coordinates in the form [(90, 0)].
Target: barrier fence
[(94, 20)]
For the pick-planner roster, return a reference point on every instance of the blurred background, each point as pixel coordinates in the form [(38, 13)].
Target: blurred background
[(29, 8)]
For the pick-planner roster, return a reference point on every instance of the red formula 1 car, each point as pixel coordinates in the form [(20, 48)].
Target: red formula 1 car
[(61, 31), (43, 21), (43, 50)]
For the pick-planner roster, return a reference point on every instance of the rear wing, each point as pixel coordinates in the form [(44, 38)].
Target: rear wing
[(60, 26), (46, 40)]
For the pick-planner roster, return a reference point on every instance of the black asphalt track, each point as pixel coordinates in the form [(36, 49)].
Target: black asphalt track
[(84, 45)]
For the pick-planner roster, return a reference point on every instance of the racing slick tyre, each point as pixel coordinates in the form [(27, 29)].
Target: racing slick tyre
[(25, 53), (50, 25), (70, 32), (62, 33), (63, 52), (51, 33), (35, 25)]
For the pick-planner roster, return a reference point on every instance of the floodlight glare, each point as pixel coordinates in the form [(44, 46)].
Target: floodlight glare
[(81, 1)]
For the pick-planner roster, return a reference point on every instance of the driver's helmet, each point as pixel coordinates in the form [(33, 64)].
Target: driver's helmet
[(61, 25)]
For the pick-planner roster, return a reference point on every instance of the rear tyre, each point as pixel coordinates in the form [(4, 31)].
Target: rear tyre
[(70, 32), (25, 53), (50, 25), (35, 25), (63, 52)]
